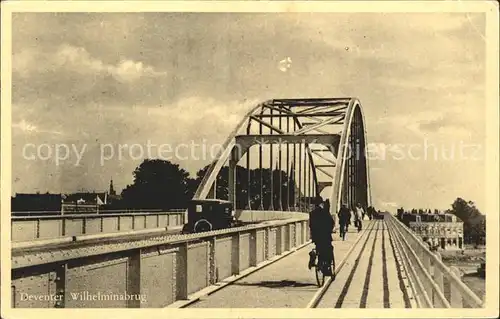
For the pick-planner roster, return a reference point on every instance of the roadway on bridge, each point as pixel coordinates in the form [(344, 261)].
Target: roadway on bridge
[(369, 278)]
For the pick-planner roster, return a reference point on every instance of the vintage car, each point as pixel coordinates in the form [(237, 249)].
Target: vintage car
[(209, 214)]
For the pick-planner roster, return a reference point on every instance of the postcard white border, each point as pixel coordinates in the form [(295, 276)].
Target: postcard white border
[(490, 8)]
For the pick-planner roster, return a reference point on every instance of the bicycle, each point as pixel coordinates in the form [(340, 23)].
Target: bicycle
[(321, 266)]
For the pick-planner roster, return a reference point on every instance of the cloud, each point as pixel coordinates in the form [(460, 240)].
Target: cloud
[(439, 123), (29, 128), (180, 77), (25, 127), (77, 59), (444, 124), (192, 121), (70, 76)]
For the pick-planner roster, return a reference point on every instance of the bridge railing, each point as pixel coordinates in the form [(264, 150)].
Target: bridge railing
[(30, 228), (157, 272), (100, 211), (433, 284)]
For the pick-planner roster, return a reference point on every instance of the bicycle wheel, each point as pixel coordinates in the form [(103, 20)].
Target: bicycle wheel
[(334, 272), (320, 277)]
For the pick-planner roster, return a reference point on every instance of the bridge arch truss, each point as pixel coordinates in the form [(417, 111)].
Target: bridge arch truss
[(294, 150)]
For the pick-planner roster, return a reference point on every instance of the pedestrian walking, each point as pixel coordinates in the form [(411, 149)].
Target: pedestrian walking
[(358, 215), (344, 215)]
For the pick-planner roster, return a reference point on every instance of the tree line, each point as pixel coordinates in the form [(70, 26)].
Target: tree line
[(160, 184)]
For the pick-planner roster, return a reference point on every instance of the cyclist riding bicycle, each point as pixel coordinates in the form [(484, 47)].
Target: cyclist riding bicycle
[(321, 225)]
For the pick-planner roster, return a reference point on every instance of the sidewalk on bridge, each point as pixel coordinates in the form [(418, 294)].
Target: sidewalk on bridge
[(287, 283)]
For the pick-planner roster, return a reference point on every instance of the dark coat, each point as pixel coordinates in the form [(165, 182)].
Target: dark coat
[(344, 216), (321, 224)]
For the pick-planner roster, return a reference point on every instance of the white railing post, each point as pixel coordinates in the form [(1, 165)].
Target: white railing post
[(288, 237), (455, 296), (304, 232), (211, 261), (438, 278), (279, 236), (181, 272), (296, 234), (426, 262), (267, 249), (235, 255), (253, 247)]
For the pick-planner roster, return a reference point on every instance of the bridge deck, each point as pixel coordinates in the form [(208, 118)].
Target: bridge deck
[(288, 283)]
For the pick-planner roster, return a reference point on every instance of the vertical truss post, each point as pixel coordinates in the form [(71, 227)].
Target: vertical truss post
[(249, 175), (349, 180), (232, 176), (280, 205), (300, 177), (271, 205), (294, 168), (287, 166), (261, 205), (306, 178), (308, 182), (351, 173), (356, 164)]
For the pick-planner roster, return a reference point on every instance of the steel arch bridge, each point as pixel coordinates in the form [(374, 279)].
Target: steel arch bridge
[(314, 144)]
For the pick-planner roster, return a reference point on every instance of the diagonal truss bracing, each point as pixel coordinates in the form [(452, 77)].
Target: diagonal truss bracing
[(304, 137)]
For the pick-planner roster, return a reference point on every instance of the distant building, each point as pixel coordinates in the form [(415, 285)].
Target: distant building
[(90, 202), (83, 202), (89, 198), (80, 202), (23, 202), (443, 231), (112, 196)]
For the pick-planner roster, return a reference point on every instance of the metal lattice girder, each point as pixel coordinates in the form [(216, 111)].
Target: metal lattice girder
[(347, 174), (297, 115), (244, 142)]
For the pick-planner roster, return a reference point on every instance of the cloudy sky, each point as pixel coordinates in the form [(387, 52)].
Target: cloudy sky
[(93, 79)]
